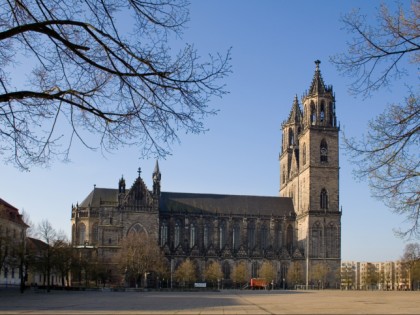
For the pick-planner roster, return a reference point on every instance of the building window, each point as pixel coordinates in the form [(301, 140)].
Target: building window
[(206, 236), (313, 114), (291, 138), (322, 112), (251, 236), (289, 238), (278, 237), (163, 234), (192, 235), (264, 237), (236, 237), (177, 234), (304, 154), (324, 199), (82, 233), (94, 238), (324, 151), (222, 235)]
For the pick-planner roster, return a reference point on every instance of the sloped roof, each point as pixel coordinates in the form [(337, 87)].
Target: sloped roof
[(204, 203), (227, 204), (100, 195), (9, 212)]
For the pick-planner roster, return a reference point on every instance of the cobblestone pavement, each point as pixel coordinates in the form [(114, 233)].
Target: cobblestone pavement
[(223, 302)]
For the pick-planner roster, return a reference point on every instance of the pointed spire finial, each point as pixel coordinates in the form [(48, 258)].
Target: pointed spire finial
[(317, 62), (139, 171)]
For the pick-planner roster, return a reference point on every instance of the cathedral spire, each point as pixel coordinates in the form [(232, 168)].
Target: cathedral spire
[(318, 85), (156, 179), (295, 115)]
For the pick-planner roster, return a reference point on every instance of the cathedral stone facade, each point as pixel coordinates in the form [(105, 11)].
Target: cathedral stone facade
[(301, 226)]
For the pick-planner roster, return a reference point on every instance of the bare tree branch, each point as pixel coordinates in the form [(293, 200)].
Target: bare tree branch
[(84, 68)]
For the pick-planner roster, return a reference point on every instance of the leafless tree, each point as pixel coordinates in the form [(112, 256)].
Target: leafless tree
[(139, 255), (411, 260), (72, 69), (388, 155)]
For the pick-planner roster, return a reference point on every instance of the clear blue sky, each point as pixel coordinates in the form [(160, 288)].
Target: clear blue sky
[(275, 44)]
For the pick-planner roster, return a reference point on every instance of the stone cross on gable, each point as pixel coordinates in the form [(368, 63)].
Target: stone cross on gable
[(139, 171)]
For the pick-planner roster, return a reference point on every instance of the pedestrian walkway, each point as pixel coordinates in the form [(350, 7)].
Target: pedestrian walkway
[(223, 302)]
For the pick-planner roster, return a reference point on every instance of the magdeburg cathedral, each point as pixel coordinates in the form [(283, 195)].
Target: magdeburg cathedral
[(300, 226)]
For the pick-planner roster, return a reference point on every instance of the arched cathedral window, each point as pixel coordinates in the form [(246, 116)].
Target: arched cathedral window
[(324, 151), (264, 237), (304, 154), (163, 233), (251, 235), (94, 239), (206, 235), (313, 114), (291, 137), (192, 235), (330, 114), (236, 236), (322, 112), (82, 233), (324, 199), (289, 238), (222, 235), (177, 234)]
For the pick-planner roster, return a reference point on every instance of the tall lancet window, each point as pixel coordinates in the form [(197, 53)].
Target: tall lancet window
[(313, 114), (322, 112), (324, 199), (163, 233), (177, 234), (192, 235), (324, 151), (236, 236), (206, 235)]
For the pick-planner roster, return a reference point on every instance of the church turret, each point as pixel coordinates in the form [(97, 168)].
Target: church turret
[(156, 180), (121, 185), (319, 102)]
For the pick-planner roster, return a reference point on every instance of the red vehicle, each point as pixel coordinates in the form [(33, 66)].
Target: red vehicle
[(258, 283)]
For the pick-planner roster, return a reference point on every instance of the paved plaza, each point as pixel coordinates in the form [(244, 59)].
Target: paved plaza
[(223, 302)]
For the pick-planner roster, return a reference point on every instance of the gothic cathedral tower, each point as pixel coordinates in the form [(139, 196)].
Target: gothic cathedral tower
[(309, 174)]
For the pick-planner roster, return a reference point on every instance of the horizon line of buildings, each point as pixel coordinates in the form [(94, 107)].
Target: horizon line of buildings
[(386, 275)]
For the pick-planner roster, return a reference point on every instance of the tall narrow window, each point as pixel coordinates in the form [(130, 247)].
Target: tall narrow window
[(304, 154), (324, 151), (278, 237), (177, 234), (163, 233), (324, 199), (236, 241), (94, 238), (291, 138), (330, 114), (82, 233), (222, 235), (192, 235), (313, 114), (254, 269), (322, 112), (264, 237), (251, 235), (206, 236), (289, 238)]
